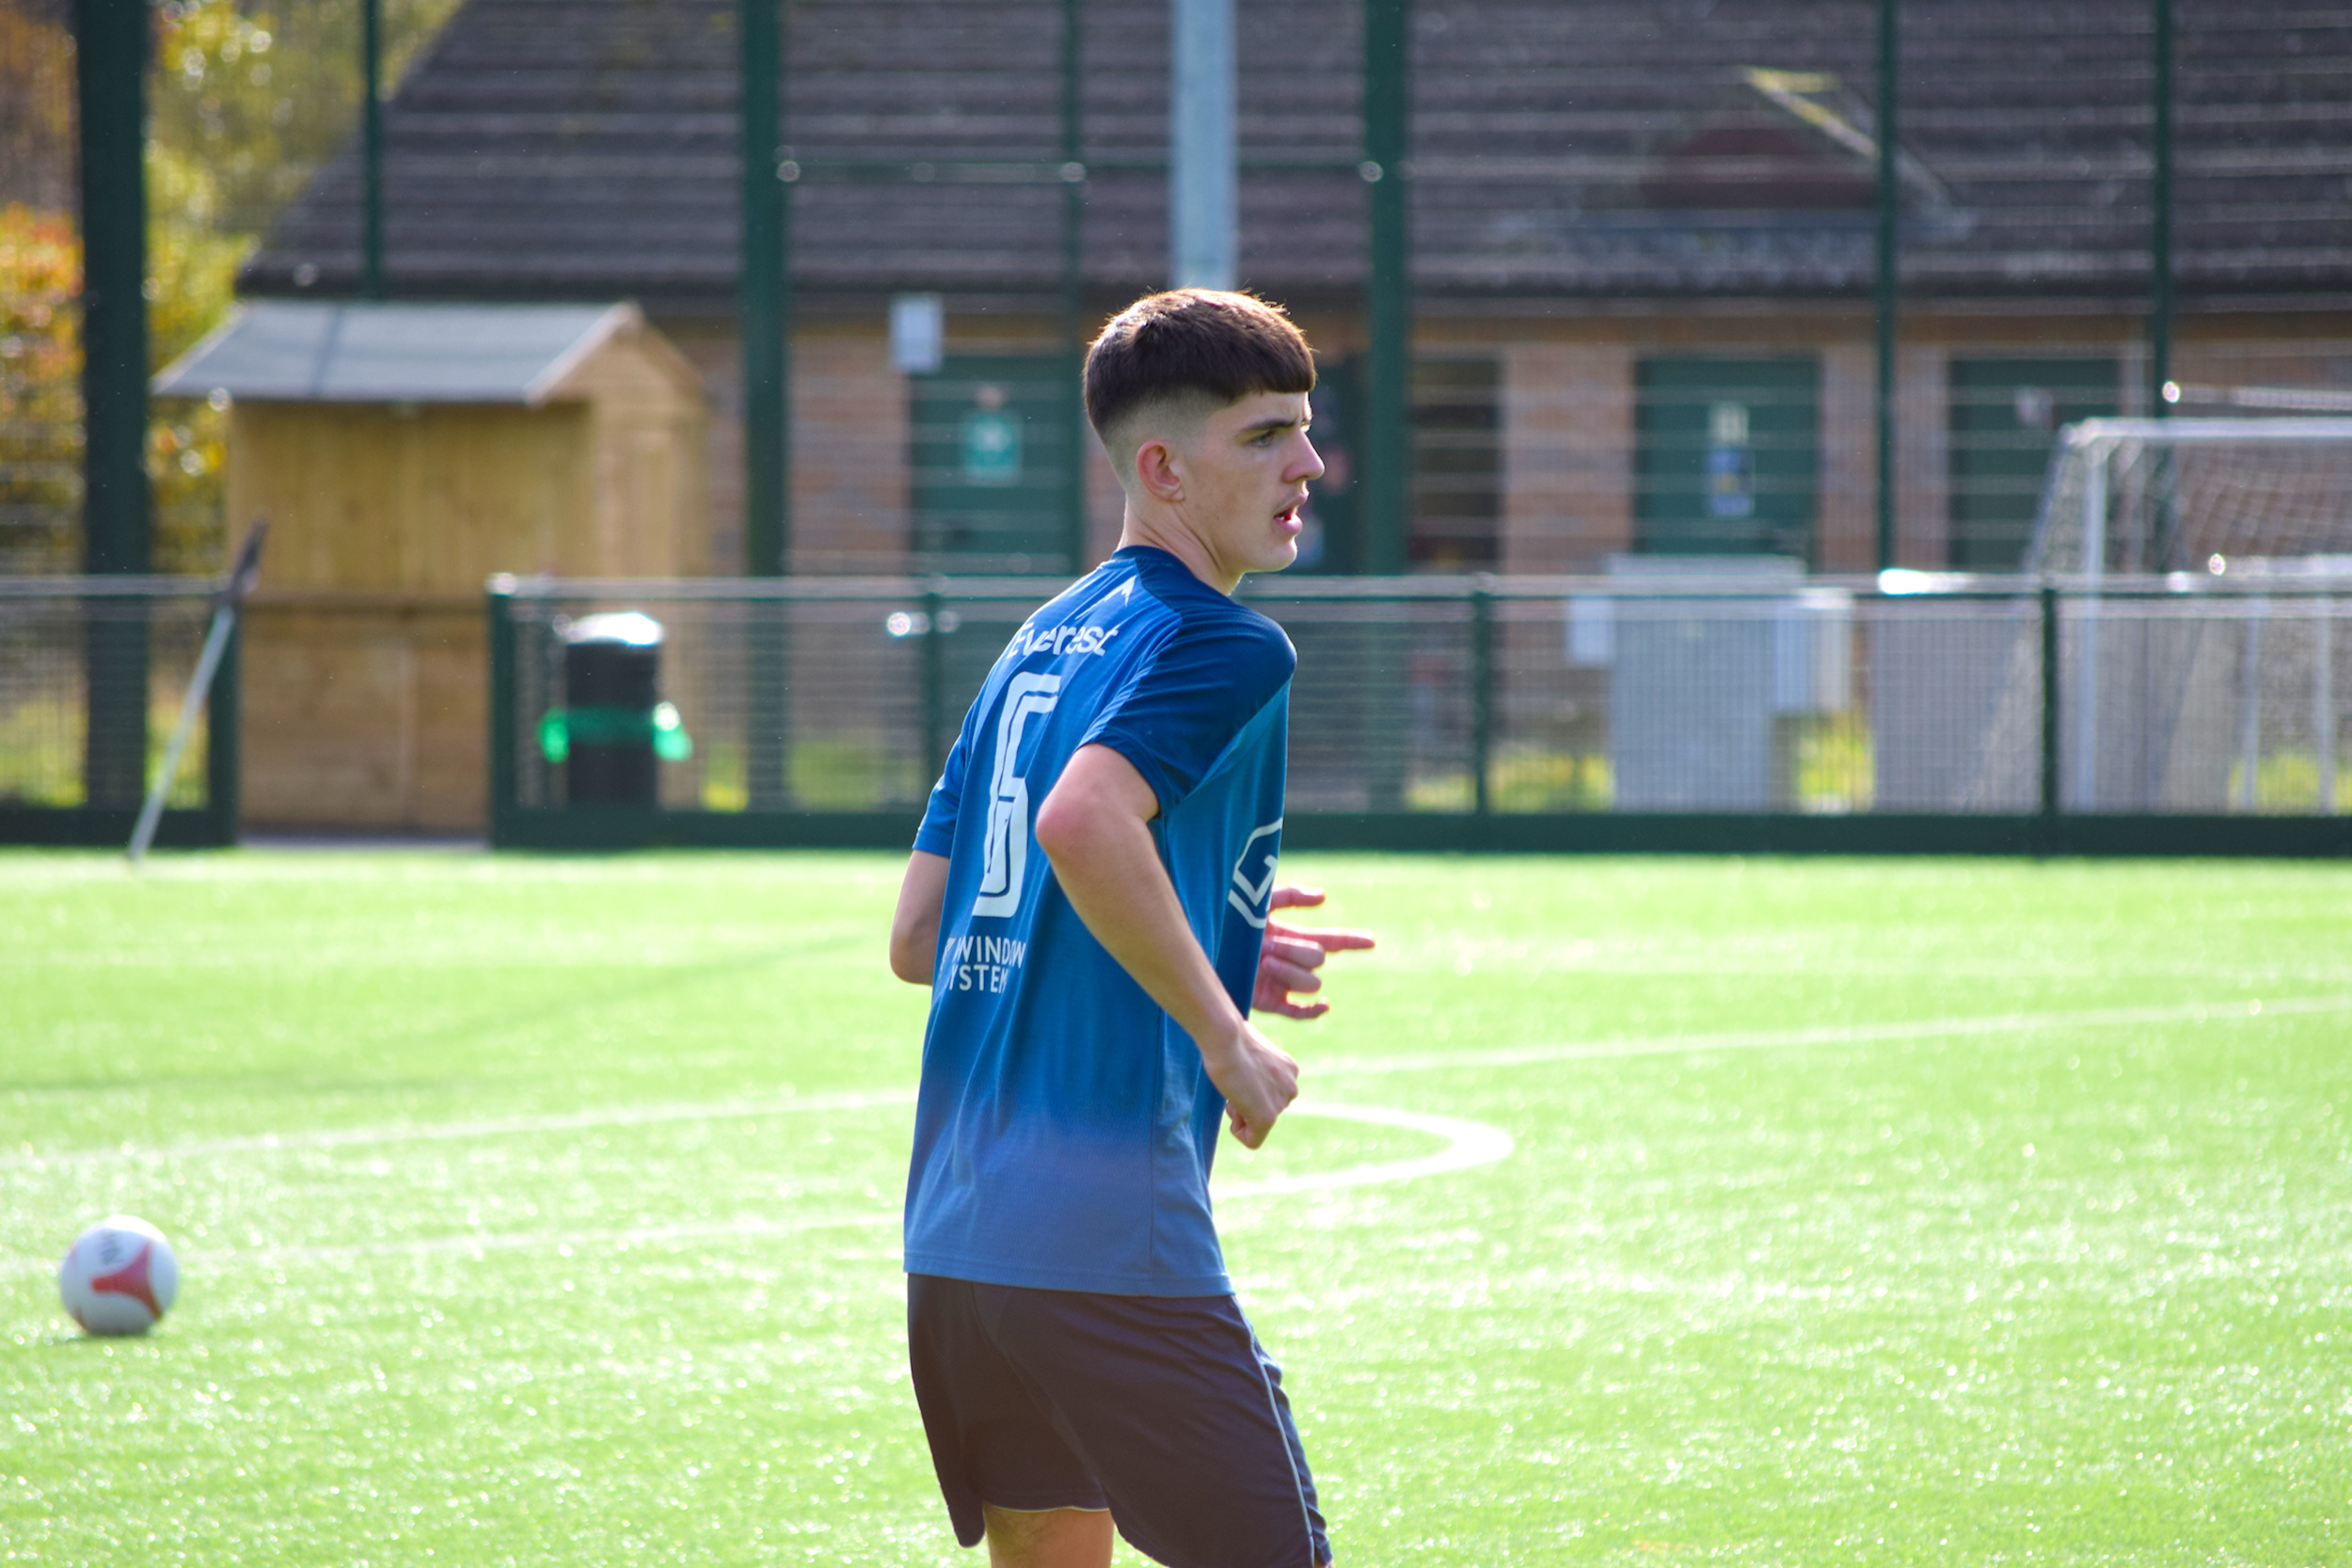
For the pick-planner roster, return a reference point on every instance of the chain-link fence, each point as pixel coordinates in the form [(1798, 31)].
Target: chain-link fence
[(73, 768), (1430, 698)]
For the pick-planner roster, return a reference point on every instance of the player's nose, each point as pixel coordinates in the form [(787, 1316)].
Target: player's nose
[(1305, 466)]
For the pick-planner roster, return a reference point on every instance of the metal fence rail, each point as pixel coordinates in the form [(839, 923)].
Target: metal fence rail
[(92, 671), (1996, 714)]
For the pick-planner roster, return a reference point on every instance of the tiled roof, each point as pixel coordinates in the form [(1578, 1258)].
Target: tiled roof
[(1563, 148), (302, 351)]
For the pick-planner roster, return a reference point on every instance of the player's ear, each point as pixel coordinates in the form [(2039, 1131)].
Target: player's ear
[(1157, 470)]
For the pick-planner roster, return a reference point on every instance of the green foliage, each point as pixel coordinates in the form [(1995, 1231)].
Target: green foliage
[(41, 393), (1521, 778), (1526, 778), (2288, 781), (259, 96), (847, 775), (245, 102), (826, 775), (1835, 770)]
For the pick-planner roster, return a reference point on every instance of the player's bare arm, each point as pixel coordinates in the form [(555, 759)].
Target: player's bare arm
[(1095, 828), (1286, 965), (915, 924)]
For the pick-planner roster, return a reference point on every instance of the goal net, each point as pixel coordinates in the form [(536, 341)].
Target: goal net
[(2136, 496), (2204, 565)]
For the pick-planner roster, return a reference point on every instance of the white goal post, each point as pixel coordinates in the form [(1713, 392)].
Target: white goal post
[(2267, 499), (2169, 495)]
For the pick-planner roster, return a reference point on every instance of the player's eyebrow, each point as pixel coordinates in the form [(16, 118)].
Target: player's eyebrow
[(1267, 426)]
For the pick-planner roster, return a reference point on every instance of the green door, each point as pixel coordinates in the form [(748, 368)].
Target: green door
[(1727, 454), (2005, 414), (994, 442)]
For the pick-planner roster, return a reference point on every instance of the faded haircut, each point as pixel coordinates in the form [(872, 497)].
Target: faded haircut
[(1201, 345)]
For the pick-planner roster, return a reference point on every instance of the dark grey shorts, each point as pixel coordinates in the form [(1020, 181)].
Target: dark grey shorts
[(1164, 1409)]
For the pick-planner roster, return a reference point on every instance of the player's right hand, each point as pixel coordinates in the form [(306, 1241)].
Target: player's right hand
[(1258, 1079)]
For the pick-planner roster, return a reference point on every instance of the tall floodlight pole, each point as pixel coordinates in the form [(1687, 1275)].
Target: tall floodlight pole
[(1384, 450), (764, 308), (110, 59), (1202, 199), (372, 149), (1887, 296), (2161, 219)]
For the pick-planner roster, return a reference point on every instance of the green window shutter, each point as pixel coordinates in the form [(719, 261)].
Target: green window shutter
[(1727, 454), (992, 465), (2005, 415)]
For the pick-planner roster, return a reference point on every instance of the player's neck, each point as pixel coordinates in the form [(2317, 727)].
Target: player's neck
[(1169, 533)]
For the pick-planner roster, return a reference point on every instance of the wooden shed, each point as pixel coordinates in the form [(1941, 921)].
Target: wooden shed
[(403, 453)]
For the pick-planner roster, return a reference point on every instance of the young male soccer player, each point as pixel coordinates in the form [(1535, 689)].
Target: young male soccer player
[(1077, 1352)]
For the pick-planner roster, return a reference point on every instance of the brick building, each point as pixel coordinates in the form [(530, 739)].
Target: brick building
[(1642, 246)]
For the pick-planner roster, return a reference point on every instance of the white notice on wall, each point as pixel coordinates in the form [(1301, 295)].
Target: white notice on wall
[(918, 333)]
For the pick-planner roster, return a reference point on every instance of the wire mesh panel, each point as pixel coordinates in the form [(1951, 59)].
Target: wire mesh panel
[(1381, 703), (54, 632), (2202, 702), (1955, 701), (812, 696), (1684, 696)]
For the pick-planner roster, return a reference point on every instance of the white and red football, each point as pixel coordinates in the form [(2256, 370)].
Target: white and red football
[(119, 1277)]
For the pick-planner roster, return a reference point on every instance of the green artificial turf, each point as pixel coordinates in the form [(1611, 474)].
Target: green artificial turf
[(542, 1211)]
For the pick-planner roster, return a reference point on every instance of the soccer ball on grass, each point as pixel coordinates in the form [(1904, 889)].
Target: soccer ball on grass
[(119, 1277)]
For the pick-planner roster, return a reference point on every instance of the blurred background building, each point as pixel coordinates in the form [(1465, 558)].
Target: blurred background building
[(1641, 246)]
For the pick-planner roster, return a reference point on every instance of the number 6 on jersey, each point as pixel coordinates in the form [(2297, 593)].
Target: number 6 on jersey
[(1005, 866)]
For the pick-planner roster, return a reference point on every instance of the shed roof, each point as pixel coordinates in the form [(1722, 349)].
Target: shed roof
[(305, 351), (1560, 149)]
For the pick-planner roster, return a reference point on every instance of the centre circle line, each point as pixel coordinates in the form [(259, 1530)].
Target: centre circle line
[(1468, 1145)]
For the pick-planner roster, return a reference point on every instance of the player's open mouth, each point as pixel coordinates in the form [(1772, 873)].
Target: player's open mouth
[(1288, 518)]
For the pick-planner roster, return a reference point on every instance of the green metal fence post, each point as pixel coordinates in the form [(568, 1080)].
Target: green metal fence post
[(223, 722), (2049, 713), (764, 290), (1074, 174), (502, 634), (372, 149), (110, 58), (934, 681), (1384, 451), (1482, 691), (765, 308)]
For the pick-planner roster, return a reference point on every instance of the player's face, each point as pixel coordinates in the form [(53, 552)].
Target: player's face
[(1248, 472)]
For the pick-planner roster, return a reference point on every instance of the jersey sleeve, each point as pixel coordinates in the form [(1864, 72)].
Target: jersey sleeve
[(937, 835), (1180, 709)]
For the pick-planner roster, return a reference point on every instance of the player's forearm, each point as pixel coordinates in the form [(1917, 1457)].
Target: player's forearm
[(915, 924), (1109, 868)]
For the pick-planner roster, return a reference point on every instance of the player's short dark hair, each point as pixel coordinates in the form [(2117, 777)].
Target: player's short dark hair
[(1199, 343)]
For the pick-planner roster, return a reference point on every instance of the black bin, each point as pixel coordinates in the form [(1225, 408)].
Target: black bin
[(611, 686)]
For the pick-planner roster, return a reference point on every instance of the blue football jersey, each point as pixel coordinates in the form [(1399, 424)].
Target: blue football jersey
[(1065, 1127)]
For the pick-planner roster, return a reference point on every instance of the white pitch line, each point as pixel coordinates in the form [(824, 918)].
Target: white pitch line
[(1846, 1034), (476, 1243), (2233, 1011), (345, 1138), (1468, 1145)]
